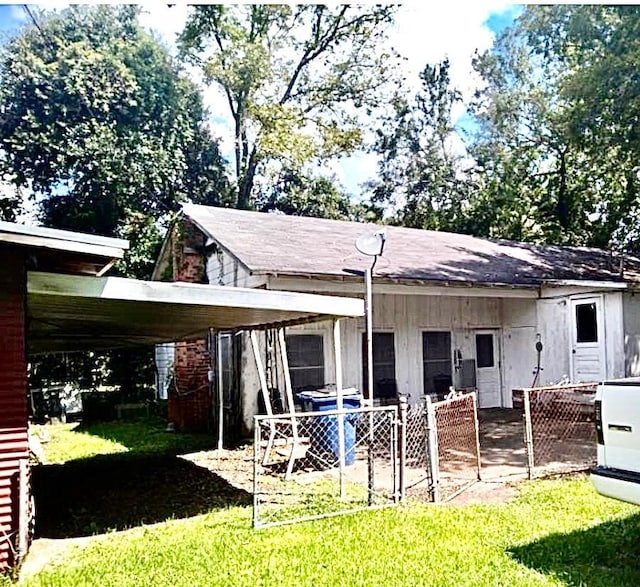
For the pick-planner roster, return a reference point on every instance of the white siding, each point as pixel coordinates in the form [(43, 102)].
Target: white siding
[(224, 269), (553, 326), (517, 322), (519, 356), (631, 312), (614, 335)]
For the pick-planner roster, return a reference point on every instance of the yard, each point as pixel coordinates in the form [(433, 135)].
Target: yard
[(557, 532)]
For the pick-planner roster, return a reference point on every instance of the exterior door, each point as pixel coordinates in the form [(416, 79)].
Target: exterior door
[(587, 352), (488, 381)]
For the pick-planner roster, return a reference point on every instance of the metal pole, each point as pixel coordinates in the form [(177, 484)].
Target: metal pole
[(476, 425), (23, 508), (528, 432), (368, 310), (256, 469), (403, 405), (220, 389), (432, 449), (340, 404)]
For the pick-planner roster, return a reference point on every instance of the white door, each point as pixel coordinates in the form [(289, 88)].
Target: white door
[(587, 352), (488, 381)]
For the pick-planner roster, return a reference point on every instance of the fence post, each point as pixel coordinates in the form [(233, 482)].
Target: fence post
[(402, 425), (476, 426), (432, 448), (24, 510), (528, 432), (256, 469)]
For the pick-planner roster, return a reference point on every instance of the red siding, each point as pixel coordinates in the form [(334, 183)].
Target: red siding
[(13, 396), (190, 399)]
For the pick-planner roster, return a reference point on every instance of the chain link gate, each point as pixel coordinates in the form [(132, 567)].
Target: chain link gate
[(560, 434), (310, 465), (453, 445), (442, 448), (418, 478)]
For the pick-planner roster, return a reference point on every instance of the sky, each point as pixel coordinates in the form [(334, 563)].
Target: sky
[(424, 32)]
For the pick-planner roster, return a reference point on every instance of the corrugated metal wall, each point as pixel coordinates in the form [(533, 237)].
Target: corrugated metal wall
[(13, 397)]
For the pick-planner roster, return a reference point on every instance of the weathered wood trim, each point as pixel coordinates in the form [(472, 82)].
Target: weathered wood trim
[(340, 287)]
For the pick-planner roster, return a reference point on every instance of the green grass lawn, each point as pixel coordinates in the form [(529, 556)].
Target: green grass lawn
[(69, 442), (556, 532)]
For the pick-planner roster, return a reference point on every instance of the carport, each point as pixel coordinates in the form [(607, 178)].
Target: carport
[(54, 297)]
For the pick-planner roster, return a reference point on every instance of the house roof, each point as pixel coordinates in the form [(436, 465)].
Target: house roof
[(75, 312), (295, 245), (51, 249)]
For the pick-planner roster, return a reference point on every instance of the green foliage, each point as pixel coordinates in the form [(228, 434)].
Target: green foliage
[(420, 177), (556, 533), (317, 197), (559, 134), (292, 76), (102, 126)]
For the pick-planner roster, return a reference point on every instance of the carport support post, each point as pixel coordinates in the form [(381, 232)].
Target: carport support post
[(340, 403), (220, 390)]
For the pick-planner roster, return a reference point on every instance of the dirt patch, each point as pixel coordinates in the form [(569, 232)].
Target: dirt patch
[(48, 551), (487, 492)]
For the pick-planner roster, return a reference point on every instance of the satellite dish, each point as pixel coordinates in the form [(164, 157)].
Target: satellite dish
[(371, 244)]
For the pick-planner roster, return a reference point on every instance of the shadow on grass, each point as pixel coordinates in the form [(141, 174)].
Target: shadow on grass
[(114, 492), (607, 554)]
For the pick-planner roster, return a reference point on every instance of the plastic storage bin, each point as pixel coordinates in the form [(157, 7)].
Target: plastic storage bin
[(324, 429)]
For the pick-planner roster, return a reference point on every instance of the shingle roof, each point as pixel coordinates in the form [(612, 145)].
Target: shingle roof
[(295, 245)]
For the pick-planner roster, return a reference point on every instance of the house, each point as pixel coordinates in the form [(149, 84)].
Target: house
[(448, 309), (54, 296)]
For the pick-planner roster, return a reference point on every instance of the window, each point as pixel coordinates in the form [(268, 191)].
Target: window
[(586, 323), (484, 350), (306, 361), (436, 362), (384, 365)]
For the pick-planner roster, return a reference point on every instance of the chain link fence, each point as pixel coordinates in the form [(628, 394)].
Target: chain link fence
[(559, 428), (458, 446), (418, 479), (442, 448), (310, 465)]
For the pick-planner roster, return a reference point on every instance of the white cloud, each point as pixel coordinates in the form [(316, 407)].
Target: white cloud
[(429, 32), (166, 20)]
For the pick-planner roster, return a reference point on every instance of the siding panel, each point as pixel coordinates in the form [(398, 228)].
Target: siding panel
[(13, 396)]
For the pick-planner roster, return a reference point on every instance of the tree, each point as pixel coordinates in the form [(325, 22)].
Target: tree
[(599, 48), (559, 134), (420, 174), (531, 189), (293, 78), (101, 126), (318, 197)]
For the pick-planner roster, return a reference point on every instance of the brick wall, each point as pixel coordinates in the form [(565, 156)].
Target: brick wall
[(13, 397), (189, 401)]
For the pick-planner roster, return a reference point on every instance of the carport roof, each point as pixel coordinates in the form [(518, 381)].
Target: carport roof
[(51, 249), (72, 312)]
